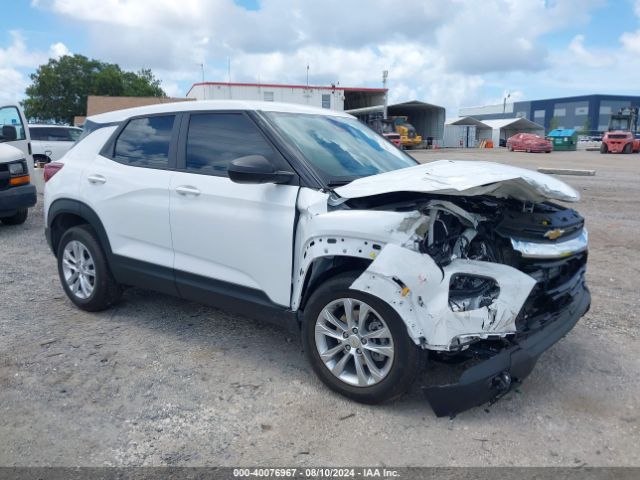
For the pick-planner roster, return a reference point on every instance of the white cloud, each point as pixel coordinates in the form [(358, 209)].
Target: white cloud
[(13, 85), (58, 50), (578, 54), (18, 55), (16, 60), (442, 51)]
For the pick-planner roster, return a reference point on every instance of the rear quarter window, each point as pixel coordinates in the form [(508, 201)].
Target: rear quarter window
[(144, 142)]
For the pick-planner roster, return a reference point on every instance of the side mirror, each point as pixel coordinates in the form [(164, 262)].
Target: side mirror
[(9, 133), (256, 169)]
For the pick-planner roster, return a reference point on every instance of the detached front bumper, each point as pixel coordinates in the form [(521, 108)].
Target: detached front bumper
[(494, 377)]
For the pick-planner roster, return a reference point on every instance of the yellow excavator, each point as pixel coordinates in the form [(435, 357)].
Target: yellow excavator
[(408, 136)]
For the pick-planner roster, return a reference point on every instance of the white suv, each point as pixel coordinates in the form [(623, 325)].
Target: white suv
[(306, 216)]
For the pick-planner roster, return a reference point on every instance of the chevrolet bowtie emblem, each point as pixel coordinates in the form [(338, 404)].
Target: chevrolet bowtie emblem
[(553, 234)]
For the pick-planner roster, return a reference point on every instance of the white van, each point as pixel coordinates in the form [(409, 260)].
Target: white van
[(14, 131)]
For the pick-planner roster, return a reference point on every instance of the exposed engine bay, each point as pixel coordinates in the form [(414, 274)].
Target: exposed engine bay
[(468, 239), (476, 258)]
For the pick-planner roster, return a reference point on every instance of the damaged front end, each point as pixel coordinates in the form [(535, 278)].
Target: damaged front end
[(493, 281)]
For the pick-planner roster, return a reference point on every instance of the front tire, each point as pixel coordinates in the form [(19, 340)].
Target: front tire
[(84, 271), (627, 148), (603, 148), (17, 218), (357, 344)]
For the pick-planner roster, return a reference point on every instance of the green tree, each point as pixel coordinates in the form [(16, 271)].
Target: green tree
[(59, 88)]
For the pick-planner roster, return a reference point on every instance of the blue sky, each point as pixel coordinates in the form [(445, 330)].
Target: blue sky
[(448, 52)]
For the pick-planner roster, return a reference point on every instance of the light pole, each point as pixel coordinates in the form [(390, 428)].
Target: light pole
[(204, 91), (504, 104), (385, 75)]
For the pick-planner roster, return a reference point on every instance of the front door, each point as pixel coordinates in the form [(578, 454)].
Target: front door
[(230, 238), (14, 131)]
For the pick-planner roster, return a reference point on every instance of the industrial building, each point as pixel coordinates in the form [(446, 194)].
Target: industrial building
[(586, 113), (334, 97), (363, 102)]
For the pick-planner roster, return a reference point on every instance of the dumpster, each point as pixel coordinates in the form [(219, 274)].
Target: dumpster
[(564, 138)]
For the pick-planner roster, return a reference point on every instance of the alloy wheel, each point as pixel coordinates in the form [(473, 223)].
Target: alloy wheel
[(354, 342), (79, 269)]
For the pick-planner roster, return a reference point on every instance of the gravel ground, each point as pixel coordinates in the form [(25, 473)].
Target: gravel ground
[(160, 381)]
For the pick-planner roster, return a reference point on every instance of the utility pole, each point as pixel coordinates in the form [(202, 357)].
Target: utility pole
[(385, 75), (204, 89), (504, 103), (229, 75), (307, 75)]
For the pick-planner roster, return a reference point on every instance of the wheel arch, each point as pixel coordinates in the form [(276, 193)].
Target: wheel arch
[(67, 213), (323, 268)]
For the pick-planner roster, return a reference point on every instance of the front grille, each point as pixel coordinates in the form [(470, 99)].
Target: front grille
[(558, 282), (4, 176), (533, 226)]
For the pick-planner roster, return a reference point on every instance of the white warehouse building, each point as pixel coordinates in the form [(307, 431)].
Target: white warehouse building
[(333, 97), (360, 101)]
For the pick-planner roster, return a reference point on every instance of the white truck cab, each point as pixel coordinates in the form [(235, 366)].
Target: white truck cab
[(15, 131), (17, 193)]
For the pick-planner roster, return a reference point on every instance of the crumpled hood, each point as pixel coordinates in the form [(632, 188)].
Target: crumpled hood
[(464, 178)]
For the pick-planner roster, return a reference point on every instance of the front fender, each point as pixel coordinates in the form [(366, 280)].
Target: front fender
[(418, 289)]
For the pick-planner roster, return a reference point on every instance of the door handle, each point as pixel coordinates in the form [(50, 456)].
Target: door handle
[(188, 190), (96, 179)]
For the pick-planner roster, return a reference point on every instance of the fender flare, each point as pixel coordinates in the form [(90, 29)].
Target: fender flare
[(79, 209), (329, 246)]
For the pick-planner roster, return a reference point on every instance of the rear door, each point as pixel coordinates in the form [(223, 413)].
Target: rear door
[(127, 185), (230, 238)]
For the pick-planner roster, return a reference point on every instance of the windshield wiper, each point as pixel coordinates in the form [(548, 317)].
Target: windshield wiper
[(338, 183)]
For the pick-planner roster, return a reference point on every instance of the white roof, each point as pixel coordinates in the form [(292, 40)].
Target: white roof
[(513, 122), (37, 125), (199, 105), (467, 121)]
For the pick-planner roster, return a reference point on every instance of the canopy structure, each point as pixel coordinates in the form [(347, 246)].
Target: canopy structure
[(481, 130), (507, 127), (428, 119)]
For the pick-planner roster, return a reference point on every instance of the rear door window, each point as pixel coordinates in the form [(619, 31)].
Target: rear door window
[(144, 142)]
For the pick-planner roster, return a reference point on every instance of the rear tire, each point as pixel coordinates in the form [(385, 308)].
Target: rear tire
[(84, 272), (628, 148), (17, 218), (366, 375), (603, 148)]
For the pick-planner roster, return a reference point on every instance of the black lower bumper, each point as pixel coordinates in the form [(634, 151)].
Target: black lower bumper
[(492, 378), (15, 198)]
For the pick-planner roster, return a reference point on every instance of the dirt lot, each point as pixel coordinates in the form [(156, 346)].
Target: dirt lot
[(159, 381)]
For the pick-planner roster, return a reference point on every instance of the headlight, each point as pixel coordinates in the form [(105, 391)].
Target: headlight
[(18, 168)]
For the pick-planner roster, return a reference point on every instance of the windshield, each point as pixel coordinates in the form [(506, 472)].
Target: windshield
[(340, 149)]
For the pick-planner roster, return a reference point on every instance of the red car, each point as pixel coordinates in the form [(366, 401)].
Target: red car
[(393, 138), (528, 142)]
